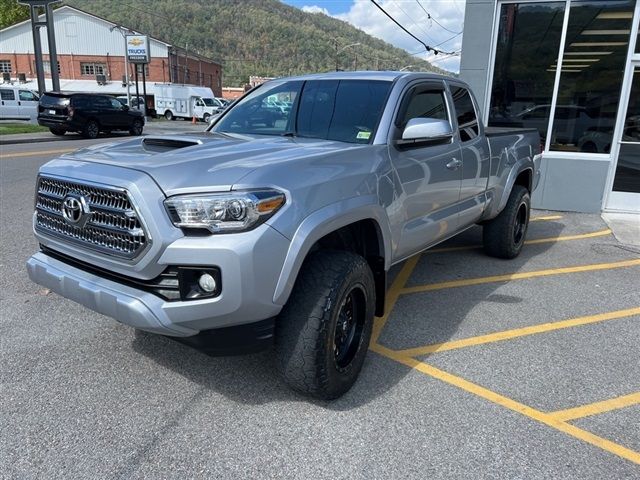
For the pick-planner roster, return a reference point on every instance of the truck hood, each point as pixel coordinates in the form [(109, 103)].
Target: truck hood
[(204, 161)]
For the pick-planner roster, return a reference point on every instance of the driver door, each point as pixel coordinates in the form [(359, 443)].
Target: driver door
[(428, 173)]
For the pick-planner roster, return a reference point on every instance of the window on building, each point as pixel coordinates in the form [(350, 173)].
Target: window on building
[(591, 75), (528, 43), (93, 69), (46, 64), (466, 112), (5, 66), (627, 178)]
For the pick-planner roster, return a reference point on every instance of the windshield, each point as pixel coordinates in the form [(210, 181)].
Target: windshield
[(210, 102), (342, 110)]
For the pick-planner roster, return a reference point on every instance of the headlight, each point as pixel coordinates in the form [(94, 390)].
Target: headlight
[(224, 212)]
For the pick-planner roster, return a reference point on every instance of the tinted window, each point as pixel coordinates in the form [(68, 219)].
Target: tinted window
[(591, 73), (101, 102), (51, 101), (465, 113), (342, 110), (115, 104), (80, 101), (424, 102), (7, 95), (527, 44)]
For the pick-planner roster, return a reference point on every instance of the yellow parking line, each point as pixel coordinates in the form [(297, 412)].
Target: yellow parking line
[(597, 408), (392, 295), (563, 238), (509, 403), (34, 153), (518, 276), (518, 332), (546, 218)]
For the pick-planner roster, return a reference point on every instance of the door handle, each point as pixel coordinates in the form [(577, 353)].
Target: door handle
[(454, 164)]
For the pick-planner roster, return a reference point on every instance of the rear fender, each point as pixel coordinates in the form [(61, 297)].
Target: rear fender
[(322, 222)]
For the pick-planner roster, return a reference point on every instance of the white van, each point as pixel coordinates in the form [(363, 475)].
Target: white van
[(186, 101), (18, 104)]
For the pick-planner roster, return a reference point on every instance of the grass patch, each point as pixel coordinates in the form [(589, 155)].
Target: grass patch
[(12, 128)]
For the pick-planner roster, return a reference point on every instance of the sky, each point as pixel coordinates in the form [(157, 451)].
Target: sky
[(442, 30)]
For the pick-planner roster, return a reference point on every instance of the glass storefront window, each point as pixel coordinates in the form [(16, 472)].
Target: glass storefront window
[(528, 43), (592, 70), (627, 177)]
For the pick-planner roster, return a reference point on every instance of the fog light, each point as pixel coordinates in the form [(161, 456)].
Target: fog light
[(207, 283)]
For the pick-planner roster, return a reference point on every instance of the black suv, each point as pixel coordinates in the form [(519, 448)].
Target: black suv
[(88, 114)]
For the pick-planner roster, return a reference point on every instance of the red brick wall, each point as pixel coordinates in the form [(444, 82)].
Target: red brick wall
[(158, 69)]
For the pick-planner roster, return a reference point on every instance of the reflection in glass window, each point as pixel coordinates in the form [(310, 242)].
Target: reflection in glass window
[(466, 114), (424, 102), (627, 177), (528, 42), (591, 74)]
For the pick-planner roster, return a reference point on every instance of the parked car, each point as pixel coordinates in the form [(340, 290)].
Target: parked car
[(252, 230), (18, 103), (88, 114)]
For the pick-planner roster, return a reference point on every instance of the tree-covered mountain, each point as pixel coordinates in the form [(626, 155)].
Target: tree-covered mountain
[(255, 37)]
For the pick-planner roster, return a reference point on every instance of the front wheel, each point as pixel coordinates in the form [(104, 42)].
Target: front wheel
[(206, 117), (323, 332), (503, 237)]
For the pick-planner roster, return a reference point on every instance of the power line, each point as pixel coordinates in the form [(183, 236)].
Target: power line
[(412, 21), (427, 47), (431, 18)]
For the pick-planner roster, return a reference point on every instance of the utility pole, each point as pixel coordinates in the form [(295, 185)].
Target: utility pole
[(36, 24), (123, 31)]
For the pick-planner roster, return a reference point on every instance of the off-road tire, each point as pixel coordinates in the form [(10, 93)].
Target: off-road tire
[(504, 236), (306, 328), (169, 115), (136, 128), (91, 129), (58, 131)]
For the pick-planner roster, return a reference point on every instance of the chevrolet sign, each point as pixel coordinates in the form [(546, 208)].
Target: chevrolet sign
[(138, 48)]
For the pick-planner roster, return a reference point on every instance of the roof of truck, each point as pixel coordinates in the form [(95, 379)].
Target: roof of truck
[(367, 75)]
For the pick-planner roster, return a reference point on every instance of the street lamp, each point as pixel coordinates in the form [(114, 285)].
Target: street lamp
[(342, 49)]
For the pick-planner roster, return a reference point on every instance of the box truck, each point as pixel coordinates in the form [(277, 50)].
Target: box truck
[(186, 101)]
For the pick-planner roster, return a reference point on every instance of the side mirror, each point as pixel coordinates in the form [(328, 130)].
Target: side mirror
[(426, 130), (125, 108)]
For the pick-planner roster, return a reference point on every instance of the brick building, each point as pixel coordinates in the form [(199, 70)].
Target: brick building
[(90, 46)]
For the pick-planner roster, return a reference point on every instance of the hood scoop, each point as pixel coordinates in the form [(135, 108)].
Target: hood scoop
[(165, 144)]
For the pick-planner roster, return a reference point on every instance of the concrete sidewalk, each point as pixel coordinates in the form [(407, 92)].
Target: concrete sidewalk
[(151, 128)]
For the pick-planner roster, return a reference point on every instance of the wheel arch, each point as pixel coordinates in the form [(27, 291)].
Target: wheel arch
[(363, 230)]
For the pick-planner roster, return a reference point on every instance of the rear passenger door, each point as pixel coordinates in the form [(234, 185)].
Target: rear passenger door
[(428, 174), (476, 158)]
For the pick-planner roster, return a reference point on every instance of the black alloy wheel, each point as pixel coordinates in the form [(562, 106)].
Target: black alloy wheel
[(349, 327)]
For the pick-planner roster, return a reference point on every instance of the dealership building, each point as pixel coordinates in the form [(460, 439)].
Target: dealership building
[(91, 57), (571, 69)]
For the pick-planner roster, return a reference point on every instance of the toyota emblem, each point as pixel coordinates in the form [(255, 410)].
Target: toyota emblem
[(75, 210)]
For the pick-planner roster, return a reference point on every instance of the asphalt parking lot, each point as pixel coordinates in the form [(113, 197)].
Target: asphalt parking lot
[(482, 368)]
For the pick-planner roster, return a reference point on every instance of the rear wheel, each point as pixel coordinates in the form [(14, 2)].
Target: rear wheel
[(58, 131), (136, 127), (504, 236), (323, 332), (91, 129), (169, 115)]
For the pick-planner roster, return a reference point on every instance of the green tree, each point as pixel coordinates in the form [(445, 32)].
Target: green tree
[(12, 12)]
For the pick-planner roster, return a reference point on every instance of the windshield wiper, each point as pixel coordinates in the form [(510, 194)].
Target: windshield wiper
[(288, 134)]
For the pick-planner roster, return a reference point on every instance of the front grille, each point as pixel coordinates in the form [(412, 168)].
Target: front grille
[(113, 226)]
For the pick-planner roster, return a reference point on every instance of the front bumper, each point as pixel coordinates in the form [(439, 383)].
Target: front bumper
[(249, 269)]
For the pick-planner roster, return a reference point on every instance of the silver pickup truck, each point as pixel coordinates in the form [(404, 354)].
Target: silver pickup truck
[(282, 222)]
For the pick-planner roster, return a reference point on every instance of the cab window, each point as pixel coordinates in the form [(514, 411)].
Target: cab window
[(466, 114), (27, 96), (422, 101)]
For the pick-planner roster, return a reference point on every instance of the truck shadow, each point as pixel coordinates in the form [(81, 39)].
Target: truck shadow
[(253, 379)]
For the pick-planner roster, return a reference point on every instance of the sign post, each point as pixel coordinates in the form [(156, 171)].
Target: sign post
[(138, 54)]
